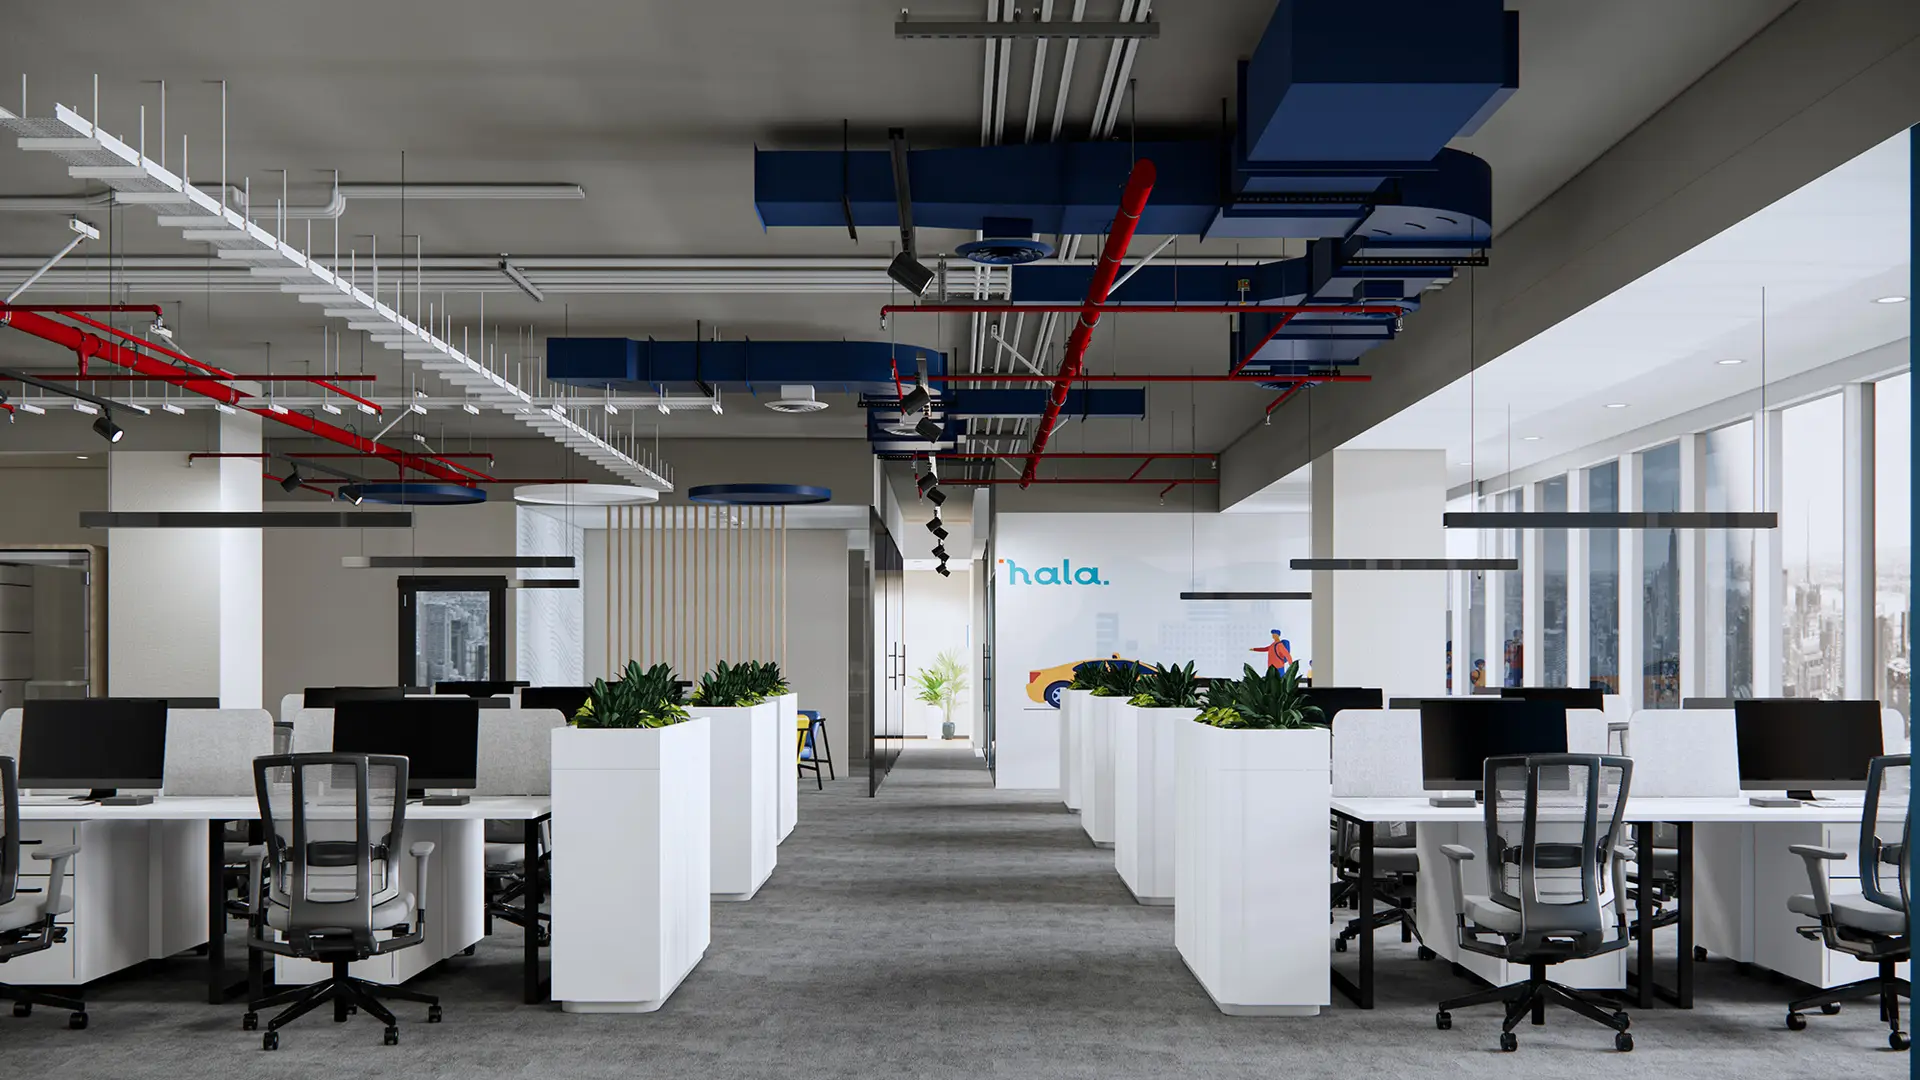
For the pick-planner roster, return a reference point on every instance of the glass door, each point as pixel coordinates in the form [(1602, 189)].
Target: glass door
[(888, 615), (452, 629)]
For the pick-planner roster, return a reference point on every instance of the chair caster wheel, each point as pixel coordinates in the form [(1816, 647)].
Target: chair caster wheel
[(77, 1021), (1425, 953), (1339, 944), (392, 1037), (23, 1008), (1623, 1042), (433, 1014), (1699, 955), (270, 1041), (1509, 1041), (1898, 1040), (1830, 1009), (250, 1022), (1444, 1021), (1796, 1022), (1622, 1019)]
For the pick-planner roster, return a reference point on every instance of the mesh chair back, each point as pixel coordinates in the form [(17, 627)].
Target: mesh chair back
[(9, 830), (1552, 823), (1886, 833), (334, 825)]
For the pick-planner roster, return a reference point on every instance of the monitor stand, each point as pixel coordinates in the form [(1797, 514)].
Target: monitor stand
[(111, 797), (1793, 797), (445, 800), (1454, 799)]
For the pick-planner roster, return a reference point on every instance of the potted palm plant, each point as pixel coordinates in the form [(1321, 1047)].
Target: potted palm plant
[(1166, 697), (1115, 682), (940, 685), (1251, 793), (631, 818), (746, 777)]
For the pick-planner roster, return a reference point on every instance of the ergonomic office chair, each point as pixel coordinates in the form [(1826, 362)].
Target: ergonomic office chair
[(335, 824), (27, 915), (1873, 925), (813, 749), (1396, 871), (1553, 827), (508, 863)]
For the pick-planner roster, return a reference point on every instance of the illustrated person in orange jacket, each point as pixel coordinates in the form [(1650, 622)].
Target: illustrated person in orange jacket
[(1279, 652)]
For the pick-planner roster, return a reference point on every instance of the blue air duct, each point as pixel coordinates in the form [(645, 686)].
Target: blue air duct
[(650, 367)]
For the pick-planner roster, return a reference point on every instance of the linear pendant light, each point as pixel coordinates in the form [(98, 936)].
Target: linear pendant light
[(240, 519), (544, 583), (1246, 596), (1644, 519), (457, 562), (1404, 564)]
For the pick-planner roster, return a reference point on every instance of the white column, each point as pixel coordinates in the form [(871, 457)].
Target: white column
[(1579, 600), (1857, 582), (1632, 663), (1383, 628), (1690, 548), (1533, 596), (183, 605), (1769, 574)]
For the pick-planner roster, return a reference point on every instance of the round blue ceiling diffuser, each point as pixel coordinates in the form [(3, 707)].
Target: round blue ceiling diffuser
[(411, 493), (759, 494), (1004, 250)]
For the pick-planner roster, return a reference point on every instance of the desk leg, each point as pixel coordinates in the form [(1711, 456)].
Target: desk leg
[(1361, 992), (1643, 911), (534, 989), (1683, 987), (216, 912)]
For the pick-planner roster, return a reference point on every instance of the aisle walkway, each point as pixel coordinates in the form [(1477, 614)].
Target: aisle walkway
[(944, 929)]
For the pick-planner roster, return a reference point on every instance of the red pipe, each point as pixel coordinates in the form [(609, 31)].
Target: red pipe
[(89, 377), (1083, 378), (85, 345), (1282, 399), (988, 307), (1263, 342), (150, 309), (1077, 480), (1133, 199)]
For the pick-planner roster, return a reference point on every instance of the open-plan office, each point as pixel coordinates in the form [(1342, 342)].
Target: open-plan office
[(1267, 537)]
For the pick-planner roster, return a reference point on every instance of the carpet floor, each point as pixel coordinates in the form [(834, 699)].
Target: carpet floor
[(944, 930)]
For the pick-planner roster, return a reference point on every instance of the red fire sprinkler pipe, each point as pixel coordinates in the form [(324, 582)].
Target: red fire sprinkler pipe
[(1132, 201), (92, 345)]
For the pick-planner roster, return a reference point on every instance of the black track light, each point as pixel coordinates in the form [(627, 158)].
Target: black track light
[(907, 272), (940, 552), (930, 429), (290, 483), (915, 400), (349, 492), (107, 429), (934, 525), (936, 496), (926, 481), (940, 534), (942, 570)]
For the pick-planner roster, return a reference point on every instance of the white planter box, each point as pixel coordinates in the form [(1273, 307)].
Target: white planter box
[(1250, 867), (1143, 799), (1096, 768), (787, 761), (746, 797), (1073, 713), (631, 914)]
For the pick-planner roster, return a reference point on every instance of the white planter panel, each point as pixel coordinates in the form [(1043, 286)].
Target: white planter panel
[(1096, 768), (1073, 712), (631, 863), (787, 761), (1143, 794), (746, 798), (1250, 867)]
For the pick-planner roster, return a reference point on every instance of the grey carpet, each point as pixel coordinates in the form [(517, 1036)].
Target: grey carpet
[(942, 930)]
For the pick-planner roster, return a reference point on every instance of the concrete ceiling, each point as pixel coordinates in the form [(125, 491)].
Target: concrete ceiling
[(654, 108)]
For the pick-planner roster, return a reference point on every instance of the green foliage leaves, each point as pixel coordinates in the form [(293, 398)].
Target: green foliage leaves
[(941, 683), (741, 685), (1271, 699), (648, 698), (1111, 678), (1169, 686)]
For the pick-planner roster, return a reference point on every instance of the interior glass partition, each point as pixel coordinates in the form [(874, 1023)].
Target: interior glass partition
[(1553, 587), (888, 615), (1893, 543), (1603, 581), (1729, 570), (1660, 580), (1812, 532)]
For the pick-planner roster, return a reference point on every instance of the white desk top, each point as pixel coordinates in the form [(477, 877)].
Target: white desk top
[(244, 808), (1737, 810)]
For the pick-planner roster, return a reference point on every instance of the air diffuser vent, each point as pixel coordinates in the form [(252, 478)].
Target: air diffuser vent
[(796, 399)]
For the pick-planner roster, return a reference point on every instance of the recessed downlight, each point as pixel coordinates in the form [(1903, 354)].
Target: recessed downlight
[(1730, 361), (1530, 438), (1889, 299), (1616, 404)]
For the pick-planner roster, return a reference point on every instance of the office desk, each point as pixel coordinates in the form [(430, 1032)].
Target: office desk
[(1642, 814), (217, 811)]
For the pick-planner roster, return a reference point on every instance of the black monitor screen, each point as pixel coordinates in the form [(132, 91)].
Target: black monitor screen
[(1458, 735), (567, 699), (1572, 697), (326, 697), (193, 703), (1331, 699), (477, 688), (1803, 743), (439, 737), (93, 743)]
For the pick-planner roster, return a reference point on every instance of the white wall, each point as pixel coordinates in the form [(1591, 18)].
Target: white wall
[(939, 617), (42, 505)]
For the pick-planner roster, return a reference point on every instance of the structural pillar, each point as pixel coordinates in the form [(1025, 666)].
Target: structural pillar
[(1381, 628), (183, 605), (1691, 550), (1857, 574), (1579, 582), (1769, 571), (1633, 562)]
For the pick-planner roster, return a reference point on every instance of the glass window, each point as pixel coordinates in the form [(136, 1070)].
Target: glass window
[(1603, 581), (1729, 571), (1476, 630), (1660, 582), (1811, 541), (1553, 580), (1512, 592), (1892, 543)]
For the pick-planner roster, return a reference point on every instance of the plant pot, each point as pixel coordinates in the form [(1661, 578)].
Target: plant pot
[(745, 797), (787, 761), (1096, 768), (1073, 712), (947, 729), (631, 863), (1143, 792), (1250, 866)]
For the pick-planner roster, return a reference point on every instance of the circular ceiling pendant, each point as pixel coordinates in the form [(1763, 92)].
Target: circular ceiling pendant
[(759, 494), (419, 493), (1004, 250), (583, 494)]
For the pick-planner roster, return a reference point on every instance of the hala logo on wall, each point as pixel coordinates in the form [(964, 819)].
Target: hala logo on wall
[(1064, 574)]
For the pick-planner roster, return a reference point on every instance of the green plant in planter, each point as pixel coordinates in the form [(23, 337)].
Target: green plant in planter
[(767, 678), (1261, 700), (1117, 678), (940, 686), (1169, 686), (642, 698), (730, 686)]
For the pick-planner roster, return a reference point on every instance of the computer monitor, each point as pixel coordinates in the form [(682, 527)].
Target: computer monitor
[(326, 697), (1331, 699), (1458, 735), (439, 737), (193, 703), (1800, 744), (567, 699), (1572, 697), (1708, 702), (478, 687), (95, 743)]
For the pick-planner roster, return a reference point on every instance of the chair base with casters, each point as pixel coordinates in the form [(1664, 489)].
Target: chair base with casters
[(27, 917), (1531, 998), (347, 995), (41, 934), (1867, 931), (506, 878), (1887, 986)]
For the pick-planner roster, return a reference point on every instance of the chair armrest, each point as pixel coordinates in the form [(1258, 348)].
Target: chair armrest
[(58, 902), (1813, 855), (1617, 872), (256, 883), (422, 852), (1457, 854)]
